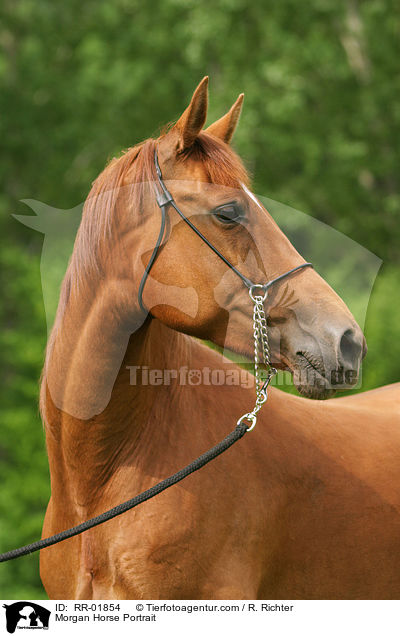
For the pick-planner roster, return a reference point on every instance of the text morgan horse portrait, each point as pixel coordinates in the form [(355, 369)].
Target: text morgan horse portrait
[(174, 249)]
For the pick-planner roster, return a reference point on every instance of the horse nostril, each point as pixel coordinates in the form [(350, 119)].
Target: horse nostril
[(350, 348)]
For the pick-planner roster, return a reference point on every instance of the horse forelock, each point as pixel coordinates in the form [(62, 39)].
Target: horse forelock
[(221, 164)]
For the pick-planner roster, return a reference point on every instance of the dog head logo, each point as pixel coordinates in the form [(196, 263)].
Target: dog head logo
[(26, 615)]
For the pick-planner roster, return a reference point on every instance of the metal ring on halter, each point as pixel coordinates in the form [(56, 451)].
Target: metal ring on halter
[(262, 396), (250, 417), (258, 296)]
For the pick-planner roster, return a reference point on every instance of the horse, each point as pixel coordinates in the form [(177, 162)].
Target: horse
[(306, 505)]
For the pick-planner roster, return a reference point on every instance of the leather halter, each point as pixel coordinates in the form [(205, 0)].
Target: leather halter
[(164, 199)]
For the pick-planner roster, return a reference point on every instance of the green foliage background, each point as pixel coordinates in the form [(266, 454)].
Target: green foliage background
[(79, 81)]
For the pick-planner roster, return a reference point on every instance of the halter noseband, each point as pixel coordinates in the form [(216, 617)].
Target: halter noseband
[(165, 198)]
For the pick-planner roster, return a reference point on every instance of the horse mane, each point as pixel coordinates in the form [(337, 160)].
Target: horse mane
[(99, 211)]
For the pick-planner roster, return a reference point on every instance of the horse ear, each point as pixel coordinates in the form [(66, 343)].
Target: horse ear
[(193, 119), (225, 127)]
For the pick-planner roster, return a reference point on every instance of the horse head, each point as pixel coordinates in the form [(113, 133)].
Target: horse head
[(189, 289)]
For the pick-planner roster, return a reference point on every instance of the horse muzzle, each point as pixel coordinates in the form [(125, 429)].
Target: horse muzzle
[(321, 366)]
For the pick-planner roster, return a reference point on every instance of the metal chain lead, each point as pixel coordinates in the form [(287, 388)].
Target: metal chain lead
[(261, 355)]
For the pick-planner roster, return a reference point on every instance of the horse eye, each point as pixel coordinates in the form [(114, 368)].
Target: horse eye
[(228, 213)]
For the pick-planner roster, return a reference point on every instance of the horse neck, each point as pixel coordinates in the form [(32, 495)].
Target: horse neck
[(93, 410)]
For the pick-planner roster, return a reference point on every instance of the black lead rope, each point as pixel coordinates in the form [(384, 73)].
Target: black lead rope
[(198, 463)]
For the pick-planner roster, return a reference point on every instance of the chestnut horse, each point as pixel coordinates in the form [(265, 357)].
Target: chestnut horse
[(307, 505)]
